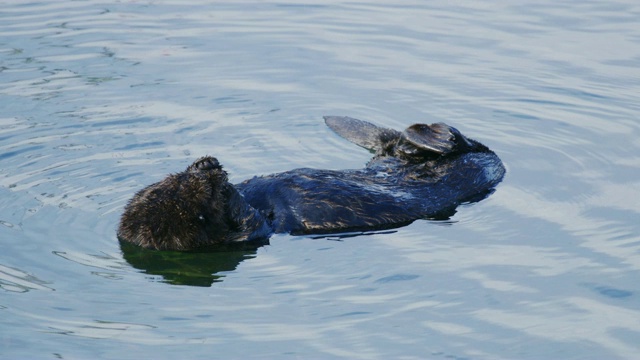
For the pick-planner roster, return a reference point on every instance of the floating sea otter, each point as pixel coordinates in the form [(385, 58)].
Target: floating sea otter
[(423, 172)]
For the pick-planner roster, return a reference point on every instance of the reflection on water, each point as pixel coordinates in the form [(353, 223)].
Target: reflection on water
[(189, 268)]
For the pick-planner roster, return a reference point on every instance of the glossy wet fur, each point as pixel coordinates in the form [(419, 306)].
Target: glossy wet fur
[(193, 209), (425, 171)]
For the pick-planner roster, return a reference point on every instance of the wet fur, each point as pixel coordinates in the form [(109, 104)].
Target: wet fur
[(423, 172)]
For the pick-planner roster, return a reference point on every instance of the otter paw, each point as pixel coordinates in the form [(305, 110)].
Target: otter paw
[(205, 164)]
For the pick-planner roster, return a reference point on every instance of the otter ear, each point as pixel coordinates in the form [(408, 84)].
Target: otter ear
[(361, 133)]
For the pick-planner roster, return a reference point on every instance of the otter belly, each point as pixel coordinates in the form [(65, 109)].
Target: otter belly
[(318, 201), (304, 201), (423, 172)]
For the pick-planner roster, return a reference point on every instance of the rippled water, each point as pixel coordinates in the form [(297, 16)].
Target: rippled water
[(101, 98)]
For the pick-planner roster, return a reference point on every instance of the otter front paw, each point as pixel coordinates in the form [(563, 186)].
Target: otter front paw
[(205, 163)]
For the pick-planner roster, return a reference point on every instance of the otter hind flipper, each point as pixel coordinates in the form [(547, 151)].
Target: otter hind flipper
[(361, 133), (439, 138)]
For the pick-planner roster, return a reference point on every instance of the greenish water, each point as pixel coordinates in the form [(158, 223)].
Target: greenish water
[(102, 98)]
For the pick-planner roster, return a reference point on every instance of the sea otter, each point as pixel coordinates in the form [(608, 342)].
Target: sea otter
[(423, 172)]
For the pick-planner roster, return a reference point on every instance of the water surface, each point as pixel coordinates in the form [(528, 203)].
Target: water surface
[(101, 98)]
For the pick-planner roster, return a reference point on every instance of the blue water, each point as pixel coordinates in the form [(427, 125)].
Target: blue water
[(101, 98)]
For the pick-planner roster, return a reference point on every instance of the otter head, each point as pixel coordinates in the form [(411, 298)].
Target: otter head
[(185, 211)]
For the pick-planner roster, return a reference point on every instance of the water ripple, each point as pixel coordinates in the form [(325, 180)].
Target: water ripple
[(102, 98), (15, 280)]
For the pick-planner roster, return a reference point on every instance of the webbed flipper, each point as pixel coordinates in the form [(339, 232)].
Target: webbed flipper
[(361, 133), (438, 138)]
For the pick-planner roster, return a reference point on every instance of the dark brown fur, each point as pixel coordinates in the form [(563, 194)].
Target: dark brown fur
[(182, 211), (425, 171)]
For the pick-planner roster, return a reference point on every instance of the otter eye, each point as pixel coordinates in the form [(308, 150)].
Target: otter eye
[(201, 217)]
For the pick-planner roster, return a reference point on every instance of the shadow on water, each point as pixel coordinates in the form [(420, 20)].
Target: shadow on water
[(202, 268)]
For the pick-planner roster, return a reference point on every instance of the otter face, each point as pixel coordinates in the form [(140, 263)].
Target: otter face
[(182, 212)]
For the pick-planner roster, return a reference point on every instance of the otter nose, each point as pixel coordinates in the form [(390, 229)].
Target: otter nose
[(206, 163)]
